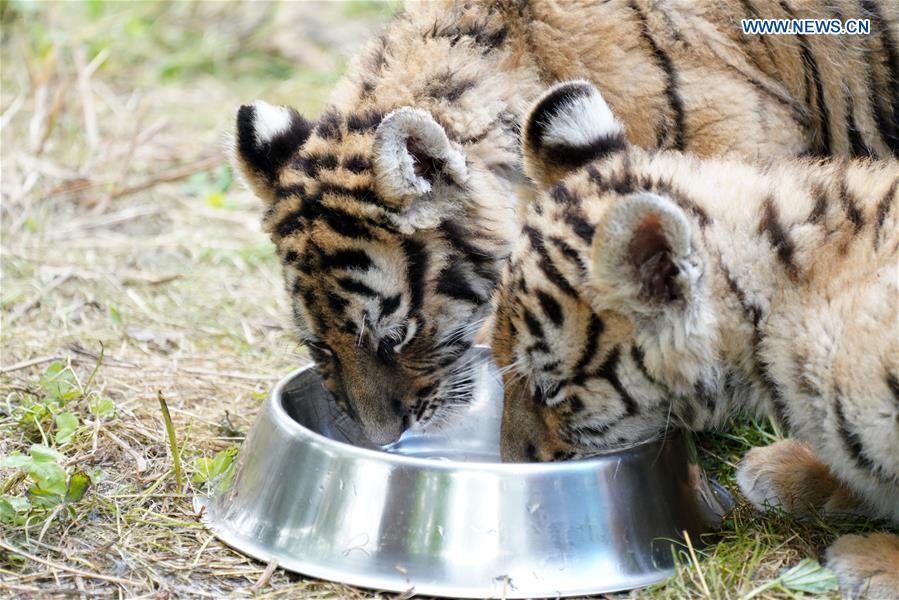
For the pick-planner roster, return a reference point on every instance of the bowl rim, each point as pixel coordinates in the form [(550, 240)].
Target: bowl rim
[(292, 427)]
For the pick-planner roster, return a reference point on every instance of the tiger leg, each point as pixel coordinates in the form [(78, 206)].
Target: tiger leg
[(866, 565), (788, 475)]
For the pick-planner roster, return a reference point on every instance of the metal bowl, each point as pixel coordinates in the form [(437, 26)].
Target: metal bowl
[(439, 512)]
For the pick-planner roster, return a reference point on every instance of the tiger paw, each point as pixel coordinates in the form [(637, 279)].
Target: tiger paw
[(788, 475), (866, 565)]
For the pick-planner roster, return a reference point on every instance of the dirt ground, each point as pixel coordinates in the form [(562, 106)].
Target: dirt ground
[(133, 268)]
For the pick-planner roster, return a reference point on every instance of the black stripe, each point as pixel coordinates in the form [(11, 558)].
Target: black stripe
[(751, 311), (888, 125), (674, 99), (364, 122), (342, 223), (416, 270), (312, 164), (289, 223), (329, 125), (356, 287), (452, 281), (893, 384), (820, 208), (337, 303), (847, 199), (546, 265), (483, 262), (365, 195), (561, 195), (883, 209), (532, 324), (594, 331), (852, 442), (857, 145), (290, 191), (346, 259), (571, 156), (813, 73), (779, 238), (290, 256), (390, 304), (356, 163), (580, 226), (608, 372), (551, 308), (567, 251), (447, 87), (477, 32), (575, 403), (538, 346), (639, 359)]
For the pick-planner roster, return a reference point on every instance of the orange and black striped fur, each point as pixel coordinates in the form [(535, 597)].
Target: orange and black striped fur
[(392, 213), (651, 290)]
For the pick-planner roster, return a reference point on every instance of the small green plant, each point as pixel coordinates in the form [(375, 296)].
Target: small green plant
[(807, 576), (51, 484), (209, 471), (212, 187)]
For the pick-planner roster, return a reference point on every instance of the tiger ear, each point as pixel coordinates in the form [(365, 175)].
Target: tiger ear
[(643, 256), (418, 170), (569, 126), (267, 137)]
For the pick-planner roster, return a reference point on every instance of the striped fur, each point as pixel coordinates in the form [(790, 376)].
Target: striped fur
[(656, 290), (396, 230)]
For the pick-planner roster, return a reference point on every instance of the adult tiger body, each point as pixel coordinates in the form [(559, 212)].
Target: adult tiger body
[(652, 290), (392, 214)]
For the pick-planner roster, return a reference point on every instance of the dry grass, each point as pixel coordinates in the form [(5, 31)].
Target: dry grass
[(123, 234)]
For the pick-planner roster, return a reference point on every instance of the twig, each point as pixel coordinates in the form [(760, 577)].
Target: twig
[(173, 175), (53, 565), (229, 374), (140, 460), (266, 575), (30, 363), (24, 308), (705, 587)]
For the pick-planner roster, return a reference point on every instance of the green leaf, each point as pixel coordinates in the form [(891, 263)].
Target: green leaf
[(115, 316), (78, 484), (42, 498), (59, 383), (49, 477), (66, 424), (209, 469), (102, 407), (43, 454), (13, 509), (808, 576), (16, 460)]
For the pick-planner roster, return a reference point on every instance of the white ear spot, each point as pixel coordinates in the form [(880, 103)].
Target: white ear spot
[(582, 119), (269, 121)]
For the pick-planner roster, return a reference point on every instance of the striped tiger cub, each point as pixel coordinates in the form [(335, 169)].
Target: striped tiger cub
[(392, 212), (651, 290)]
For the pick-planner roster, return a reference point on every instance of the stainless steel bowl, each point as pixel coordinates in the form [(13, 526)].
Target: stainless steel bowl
[(439, 513)]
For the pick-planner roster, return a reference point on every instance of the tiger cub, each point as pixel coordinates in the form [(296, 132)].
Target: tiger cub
[(392, 213), (651, 290)]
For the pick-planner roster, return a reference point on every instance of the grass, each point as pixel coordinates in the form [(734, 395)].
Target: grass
[(134, 270)]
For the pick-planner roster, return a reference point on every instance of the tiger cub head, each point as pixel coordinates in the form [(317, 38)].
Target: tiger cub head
[(604, 274), (388, 256)]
